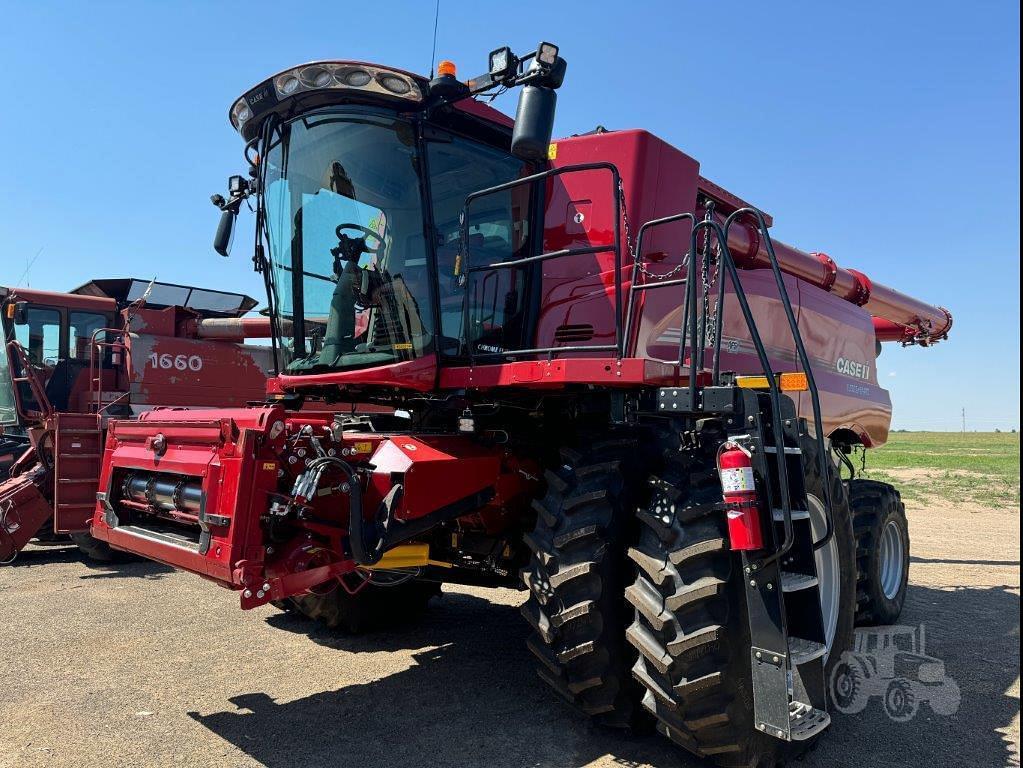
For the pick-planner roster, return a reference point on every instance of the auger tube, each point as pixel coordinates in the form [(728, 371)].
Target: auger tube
[(908, 320)]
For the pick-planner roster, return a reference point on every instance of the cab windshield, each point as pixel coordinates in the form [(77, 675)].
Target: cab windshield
[(348, 255)]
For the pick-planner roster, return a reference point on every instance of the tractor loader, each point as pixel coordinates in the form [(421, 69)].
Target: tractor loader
[(605, 383)]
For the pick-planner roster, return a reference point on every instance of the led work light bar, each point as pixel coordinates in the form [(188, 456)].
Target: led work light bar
[(323, 76)]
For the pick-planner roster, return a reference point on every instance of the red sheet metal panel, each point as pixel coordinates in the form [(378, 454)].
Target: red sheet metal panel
[(23, 511)]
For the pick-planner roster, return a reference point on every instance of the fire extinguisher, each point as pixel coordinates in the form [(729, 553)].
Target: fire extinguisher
[(742, 507)]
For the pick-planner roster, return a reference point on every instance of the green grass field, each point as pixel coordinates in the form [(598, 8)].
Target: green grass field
[(977, 467)]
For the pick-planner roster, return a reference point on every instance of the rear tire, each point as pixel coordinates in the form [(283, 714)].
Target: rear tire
[(882, 551), (847, 694), (690, 621), (576, 578), (370, 608)]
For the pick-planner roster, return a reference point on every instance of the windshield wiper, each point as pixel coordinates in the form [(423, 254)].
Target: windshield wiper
[(315, 275)]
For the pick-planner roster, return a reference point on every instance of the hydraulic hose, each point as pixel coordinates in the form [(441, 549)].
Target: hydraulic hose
[(366, 542)]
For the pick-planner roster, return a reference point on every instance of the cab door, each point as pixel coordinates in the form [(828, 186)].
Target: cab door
[(458, 167), (40, 332)]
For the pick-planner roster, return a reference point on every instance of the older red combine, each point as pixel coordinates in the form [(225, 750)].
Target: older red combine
[(110, 348), (605, 380)]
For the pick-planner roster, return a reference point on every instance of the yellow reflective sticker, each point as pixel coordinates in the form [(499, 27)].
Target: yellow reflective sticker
[(552, 151), (363, 447)]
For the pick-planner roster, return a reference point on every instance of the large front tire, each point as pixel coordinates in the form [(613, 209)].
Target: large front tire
[(690, 621), (576, 579), (372, 607), (93, 548)]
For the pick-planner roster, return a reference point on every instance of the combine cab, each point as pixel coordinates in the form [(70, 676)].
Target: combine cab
[(71, 361), (606, 383)]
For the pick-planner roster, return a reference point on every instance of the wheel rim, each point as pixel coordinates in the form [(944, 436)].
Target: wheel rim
[(891, 554), (829, 580), (844, 684)]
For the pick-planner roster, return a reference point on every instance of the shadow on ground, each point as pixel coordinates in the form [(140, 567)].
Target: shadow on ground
[(471, 698), (123, 565)]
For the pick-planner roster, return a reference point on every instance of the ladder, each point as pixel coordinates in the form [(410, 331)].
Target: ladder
[(787, 631)]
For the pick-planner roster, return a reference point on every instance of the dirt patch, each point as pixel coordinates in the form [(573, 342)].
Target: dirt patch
[(918, 474)]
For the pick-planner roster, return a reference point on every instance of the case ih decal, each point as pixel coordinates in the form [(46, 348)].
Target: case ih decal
[(852, 368)]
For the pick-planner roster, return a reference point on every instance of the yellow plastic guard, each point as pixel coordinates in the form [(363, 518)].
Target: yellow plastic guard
[(407, 556)]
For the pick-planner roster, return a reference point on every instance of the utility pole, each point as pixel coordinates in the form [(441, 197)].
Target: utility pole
[(964, 421)]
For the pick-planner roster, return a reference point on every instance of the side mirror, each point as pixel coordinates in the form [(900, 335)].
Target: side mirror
[(225, 233), (20, 313), (534, 122)]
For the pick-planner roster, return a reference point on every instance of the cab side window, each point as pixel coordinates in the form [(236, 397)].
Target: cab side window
[(81, 327), (40, 335)]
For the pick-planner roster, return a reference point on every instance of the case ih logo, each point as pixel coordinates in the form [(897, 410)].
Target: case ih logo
[(852, 368)]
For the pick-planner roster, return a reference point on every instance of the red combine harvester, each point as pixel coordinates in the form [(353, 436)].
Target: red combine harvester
[(112, 348), (607, 382)]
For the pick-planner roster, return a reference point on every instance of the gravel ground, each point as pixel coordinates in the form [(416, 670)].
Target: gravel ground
[(137, 665)]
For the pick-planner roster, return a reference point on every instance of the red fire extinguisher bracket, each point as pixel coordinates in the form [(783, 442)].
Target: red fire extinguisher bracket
[(739, 489)]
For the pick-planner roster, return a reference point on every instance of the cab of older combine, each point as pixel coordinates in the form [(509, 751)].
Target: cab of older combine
[(596, 375), (109, 348)]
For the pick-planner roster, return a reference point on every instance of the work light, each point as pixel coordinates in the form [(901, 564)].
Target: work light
[(502, 63), (547, 53)]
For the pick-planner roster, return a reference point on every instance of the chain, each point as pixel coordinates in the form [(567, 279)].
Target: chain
[(628, 244), (625, 218)]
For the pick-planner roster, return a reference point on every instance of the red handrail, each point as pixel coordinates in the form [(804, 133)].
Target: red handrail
[(96, 370)]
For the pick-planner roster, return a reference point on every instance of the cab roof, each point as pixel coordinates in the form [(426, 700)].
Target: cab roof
[(205, 301)]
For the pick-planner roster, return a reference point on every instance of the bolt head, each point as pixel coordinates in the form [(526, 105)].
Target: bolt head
[(247, 593)]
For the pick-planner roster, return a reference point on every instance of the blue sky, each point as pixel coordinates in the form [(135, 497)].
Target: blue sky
[(885, 134)]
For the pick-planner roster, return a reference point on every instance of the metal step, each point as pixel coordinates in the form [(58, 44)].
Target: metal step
[(774, 449), (793, 582), (797, 514), (801, 651), (806, 721)]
